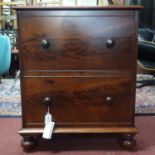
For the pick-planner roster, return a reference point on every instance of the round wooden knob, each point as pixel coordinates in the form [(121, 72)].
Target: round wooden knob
[(47, 101), (109, 99), (45, 43), (110, 43)]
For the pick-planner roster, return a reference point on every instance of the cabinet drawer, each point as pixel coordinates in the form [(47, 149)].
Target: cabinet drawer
[(79, 101), (77, 43)]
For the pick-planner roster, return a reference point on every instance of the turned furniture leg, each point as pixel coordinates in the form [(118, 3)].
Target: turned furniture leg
[(127, 141), (28, 142)]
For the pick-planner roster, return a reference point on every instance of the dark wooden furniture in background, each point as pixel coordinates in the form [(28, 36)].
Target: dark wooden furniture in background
[(147, 15), (81, 61)]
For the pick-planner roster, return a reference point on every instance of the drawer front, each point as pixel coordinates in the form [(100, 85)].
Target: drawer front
[(77, 43), (78, 101)]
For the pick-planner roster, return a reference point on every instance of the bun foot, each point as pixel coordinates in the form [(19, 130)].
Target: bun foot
[(28, 143), (127, 142)]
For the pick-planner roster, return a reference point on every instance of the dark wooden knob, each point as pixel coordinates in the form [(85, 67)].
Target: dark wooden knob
[(110, 43), (47, 101), (109, 99), (45, 43)]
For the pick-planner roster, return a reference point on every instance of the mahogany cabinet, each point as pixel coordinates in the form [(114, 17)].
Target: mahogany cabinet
[(81, 62)]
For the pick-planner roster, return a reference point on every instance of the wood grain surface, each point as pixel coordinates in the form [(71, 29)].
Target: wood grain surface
[(81, 62)]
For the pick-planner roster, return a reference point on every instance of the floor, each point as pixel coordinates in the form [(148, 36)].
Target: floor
[(78, 145)]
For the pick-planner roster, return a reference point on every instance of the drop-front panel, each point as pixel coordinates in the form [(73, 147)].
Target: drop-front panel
[(81, 62)]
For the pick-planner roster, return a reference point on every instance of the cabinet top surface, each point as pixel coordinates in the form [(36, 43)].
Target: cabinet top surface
[(134, 7)]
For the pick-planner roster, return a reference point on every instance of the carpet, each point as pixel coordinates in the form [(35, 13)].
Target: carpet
[(78, 145), (10, 99)]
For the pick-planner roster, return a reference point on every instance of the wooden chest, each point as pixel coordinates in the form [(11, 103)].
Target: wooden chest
[(81, 62)]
